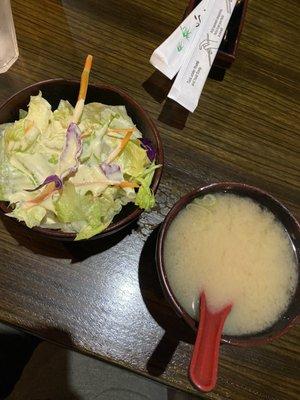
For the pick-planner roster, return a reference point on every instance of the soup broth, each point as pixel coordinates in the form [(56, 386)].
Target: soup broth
[(236, 252)]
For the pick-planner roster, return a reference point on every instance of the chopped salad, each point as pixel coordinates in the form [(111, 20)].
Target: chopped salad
[(74, 168)]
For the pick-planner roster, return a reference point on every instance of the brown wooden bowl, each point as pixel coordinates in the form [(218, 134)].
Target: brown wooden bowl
[(284, 216), (56, 89)]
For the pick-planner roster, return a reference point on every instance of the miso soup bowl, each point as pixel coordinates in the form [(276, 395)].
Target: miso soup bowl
[(54, 90), (291, 316)]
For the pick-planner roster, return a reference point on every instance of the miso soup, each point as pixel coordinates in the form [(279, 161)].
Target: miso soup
[(236, 252)]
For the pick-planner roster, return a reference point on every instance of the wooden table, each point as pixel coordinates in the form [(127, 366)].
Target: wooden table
[(103, 298)]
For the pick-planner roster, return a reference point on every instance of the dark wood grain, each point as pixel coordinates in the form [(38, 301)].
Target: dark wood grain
[(103, 298)]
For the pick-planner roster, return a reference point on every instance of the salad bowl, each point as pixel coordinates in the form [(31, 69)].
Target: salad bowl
[(54, 90)]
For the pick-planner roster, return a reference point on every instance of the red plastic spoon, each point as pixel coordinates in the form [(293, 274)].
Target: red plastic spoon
[(204, 363)]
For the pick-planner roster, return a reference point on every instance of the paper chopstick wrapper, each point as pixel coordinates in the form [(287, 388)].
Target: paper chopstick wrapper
[(169, 56), (193, 73)]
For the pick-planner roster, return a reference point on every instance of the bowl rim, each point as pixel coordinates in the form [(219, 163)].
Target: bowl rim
[(136, 212), (243, 340)]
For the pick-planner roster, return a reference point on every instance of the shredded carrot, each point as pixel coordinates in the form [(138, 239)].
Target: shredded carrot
[(118, 133), (28, 125), (127, 184), (122, 184), (46, 192), (114, 154), (126, 139), (85, 77), (83, 89), (91, 183), (85, 134), (116, 130)]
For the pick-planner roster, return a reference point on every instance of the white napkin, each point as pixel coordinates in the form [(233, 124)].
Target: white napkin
[(193, 73), (198, 53), (169, 56)]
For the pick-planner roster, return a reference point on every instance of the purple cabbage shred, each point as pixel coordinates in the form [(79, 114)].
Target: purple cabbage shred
[(49, 179), (148, 146), (109, 169)]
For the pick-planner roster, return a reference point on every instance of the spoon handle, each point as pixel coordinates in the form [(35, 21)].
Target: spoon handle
[(204, 364)]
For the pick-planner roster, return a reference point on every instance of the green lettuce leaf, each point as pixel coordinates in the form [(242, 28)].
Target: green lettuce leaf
[(17, 140), (145, 197), (35, 166), (95, 213), (53, 139), (12, 180), (92, 114), (118, 118), (39, 111), (92, 146), (68, 207), (31, 216), (89, 179), (133, 160), (63, 113), (23, 135), (22, 113)]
